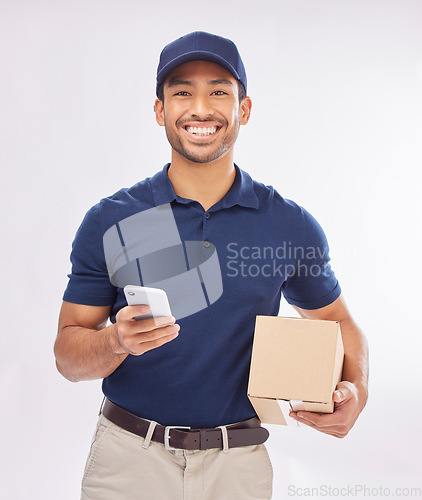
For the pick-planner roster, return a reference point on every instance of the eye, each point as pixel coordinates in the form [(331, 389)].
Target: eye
[(219, 92), (182, 93)]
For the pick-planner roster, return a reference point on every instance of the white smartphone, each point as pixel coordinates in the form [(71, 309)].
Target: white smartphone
[(155, 298)]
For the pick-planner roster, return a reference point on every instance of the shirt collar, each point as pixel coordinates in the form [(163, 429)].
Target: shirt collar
[(241, 192)]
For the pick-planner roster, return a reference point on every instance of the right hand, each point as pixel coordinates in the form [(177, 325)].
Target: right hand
[(139, 336)]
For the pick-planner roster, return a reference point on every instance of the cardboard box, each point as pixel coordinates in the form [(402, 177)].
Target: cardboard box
[(296, 363)]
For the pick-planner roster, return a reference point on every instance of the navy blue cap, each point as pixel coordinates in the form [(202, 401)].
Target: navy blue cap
[(201, 46)]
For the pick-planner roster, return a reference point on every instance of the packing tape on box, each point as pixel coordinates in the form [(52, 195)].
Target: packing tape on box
[(286, 407), (146, 249), (285, 410), (296, 405)]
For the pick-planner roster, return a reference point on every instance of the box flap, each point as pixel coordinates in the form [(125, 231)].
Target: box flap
[(268, 410)]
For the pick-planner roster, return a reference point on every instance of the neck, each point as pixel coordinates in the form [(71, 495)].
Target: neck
[(206, 183)]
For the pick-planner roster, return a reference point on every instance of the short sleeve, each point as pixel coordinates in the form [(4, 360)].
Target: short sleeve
[(313, 283), (89, 282)]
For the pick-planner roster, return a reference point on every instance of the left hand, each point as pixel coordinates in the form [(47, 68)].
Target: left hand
[(346, 410)]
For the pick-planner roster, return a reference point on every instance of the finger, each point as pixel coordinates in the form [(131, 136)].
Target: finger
[(326, 430), (311, 418), (145, 345), (153, 344), (331, 431), (128, 312), (147, 325), (326, 420), (334, 424), (158, 333), (141, 342), (133, 333)]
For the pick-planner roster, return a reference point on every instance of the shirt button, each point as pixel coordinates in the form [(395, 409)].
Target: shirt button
[(207, 215), (207, 244)]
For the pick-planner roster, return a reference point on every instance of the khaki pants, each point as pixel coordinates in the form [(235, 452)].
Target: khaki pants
[(123, 466)]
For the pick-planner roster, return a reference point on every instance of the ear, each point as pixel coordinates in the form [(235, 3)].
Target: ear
[(159, 112), (245, 110)]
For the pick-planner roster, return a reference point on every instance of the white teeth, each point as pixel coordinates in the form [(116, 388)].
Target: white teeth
[(202, 130)]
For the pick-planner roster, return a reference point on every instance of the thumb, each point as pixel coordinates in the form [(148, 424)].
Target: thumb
[(338, 396), (342, 393)]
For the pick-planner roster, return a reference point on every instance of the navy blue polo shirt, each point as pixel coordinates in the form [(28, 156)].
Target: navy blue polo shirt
[(266, 246)]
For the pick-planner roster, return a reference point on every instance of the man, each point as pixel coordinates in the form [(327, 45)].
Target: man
[(194, 373)]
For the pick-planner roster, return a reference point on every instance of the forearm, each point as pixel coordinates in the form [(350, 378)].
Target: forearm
[(356, 364), (86, 354)]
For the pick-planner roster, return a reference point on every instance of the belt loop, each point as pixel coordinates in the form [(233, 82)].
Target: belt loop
[(101, 407), (150, 432), (225, 438)]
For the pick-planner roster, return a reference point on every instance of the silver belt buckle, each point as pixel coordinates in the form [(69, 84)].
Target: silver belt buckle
[(167, 436)]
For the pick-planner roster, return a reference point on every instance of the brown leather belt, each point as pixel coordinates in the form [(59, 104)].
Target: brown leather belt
[(246, 433)]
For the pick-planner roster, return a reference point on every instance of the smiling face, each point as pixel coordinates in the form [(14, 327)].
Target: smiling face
[(201, 112)]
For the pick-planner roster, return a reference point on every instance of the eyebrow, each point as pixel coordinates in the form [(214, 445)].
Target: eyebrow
[(221, 81), (176, 81)]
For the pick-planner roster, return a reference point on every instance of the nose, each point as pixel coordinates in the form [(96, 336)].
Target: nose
[(200, 106)]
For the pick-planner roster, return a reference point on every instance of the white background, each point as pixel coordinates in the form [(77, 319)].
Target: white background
[(336, 126)]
